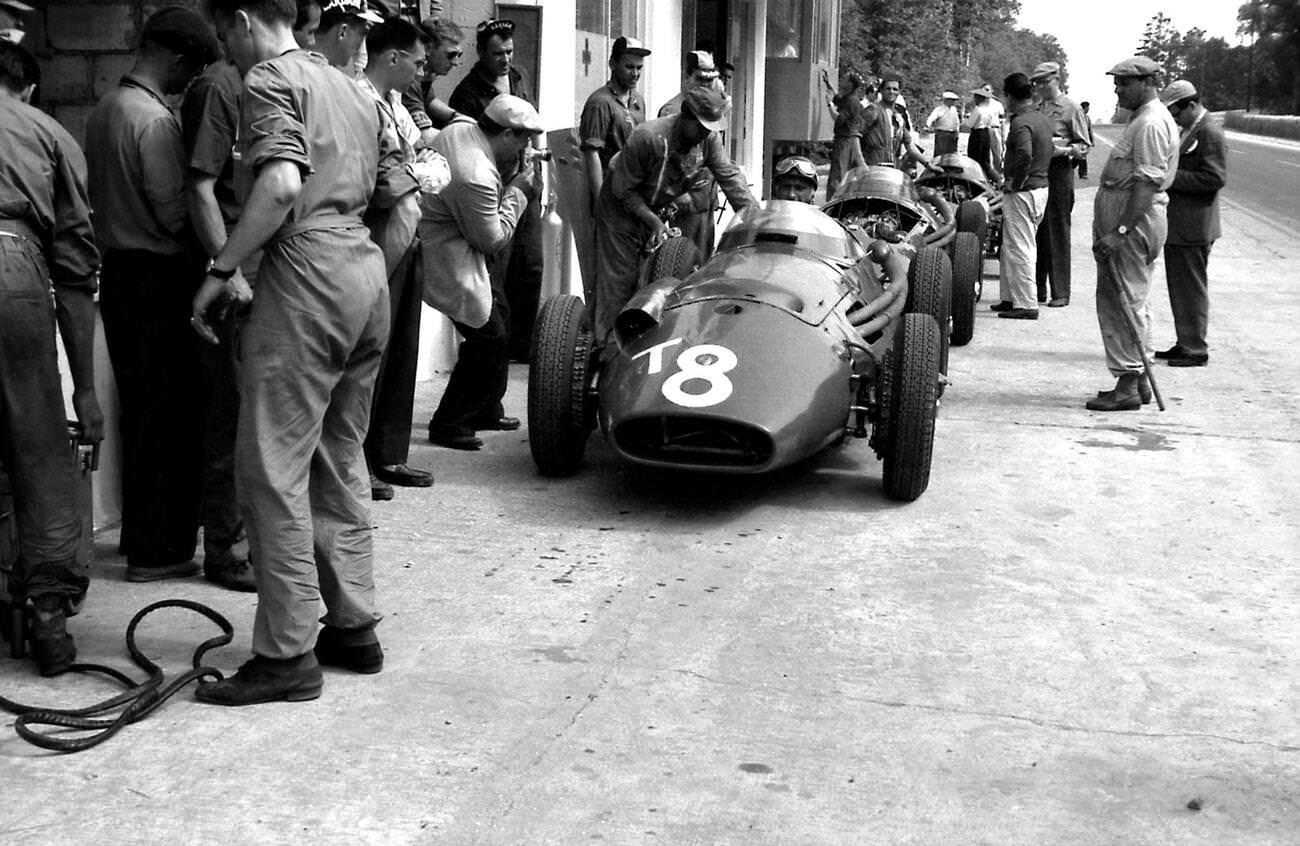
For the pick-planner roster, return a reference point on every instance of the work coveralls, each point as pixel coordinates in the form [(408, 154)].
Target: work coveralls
[(646, 175), (696, 218), (1148, 150), (45, 235), (311, 352)]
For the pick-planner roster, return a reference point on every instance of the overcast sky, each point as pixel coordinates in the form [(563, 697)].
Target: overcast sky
[(1098, 33)]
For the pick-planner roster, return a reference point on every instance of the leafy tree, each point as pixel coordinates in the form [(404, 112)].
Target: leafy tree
[(1276, 26)]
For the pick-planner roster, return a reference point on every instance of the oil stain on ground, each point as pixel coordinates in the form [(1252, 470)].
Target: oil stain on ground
[(1134, 440)]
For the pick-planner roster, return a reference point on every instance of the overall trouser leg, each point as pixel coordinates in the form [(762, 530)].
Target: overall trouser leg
[(222, 526), (1021, 213), (33, 431), (479, 380), (1186, 272), (1054, 232), (1132, 261), (619, 239), (522, 284)]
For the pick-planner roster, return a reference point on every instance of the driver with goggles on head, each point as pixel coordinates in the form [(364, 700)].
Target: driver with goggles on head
[(795, 179)]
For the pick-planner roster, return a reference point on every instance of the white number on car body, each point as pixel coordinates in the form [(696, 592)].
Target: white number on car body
[(656, 354), (708, 363)]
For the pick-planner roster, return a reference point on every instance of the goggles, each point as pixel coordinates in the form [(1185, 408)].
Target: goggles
[(798, 165)]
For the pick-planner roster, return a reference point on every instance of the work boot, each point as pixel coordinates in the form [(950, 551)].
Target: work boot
[(357, 650), (1144, 389), (266, 680), (230, 572), (52, 646), (1123, 397)]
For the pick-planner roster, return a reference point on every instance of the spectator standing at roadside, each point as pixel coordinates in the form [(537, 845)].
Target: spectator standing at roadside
[(464, 228), (209, 126), (1129, 227), (394, 58), (136, 159), (1070, 141), (846, 149), (612, 112), (1083, 160), (310, 140), (46, 245), (1193, 221), (985, 133), (1029, 151), (944, 122), (517, 272)]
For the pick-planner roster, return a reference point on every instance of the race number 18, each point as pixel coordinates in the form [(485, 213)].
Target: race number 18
[(701, 366)]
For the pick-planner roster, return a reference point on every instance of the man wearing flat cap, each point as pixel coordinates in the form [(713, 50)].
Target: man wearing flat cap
[(12, 25), (1193, 221), (651, 181), (1069, 141), (136, 160), (612, 112), (945, 121), (1128, 229)]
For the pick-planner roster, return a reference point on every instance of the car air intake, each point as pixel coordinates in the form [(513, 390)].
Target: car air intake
[(699, 441)]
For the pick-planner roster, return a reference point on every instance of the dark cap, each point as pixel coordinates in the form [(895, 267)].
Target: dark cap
[(495, 26), (184, 32), (707, 104), (631, 46), (21, 8), (1045, 69), (1136, 66)]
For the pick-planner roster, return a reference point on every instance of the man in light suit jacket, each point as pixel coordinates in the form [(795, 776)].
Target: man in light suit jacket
[(1193, 222), (470, 220)]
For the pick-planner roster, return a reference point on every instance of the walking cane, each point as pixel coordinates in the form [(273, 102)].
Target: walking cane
[(1126, 295)]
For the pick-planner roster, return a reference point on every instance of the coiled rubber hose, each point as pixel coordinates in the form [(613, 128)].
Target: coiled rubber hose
[(136, 702)]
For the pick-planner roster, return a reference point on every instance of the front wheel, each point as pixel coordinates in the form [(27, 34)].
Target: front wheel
[(967, 267), (912, 406), (560, 408), (929, 291)]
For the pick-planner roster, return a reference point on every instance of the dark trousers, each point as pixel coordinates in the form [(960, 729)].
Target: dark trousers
[(1186, 272), (34, 430), (219, 510), (145, 302), (945, 141), (979, 147), (393, 407), (518, 276), (1054, 232), (478, 381)]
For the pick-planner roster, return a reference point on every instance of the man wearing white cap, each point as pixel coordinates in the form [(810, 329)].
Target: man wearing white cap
[(985, 142), (944, 122), (1128, 229), (1070, 136), (12, 28), (465, 226), (1193, 221)]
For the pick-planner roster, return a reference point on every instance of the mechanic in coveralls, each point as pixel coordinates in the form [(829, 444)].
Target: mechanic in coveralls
[(310, 138), (1129, 226), (45, 234), (651, 179)]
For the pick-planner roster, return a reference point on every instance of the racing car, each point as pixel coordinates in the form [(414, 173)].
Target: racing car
[(883, 202), (793, 335), (964, 184)]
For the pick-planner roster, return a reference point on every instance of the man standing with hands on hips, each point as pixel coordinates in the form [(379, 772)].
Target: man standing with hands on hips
[(1193, 222), (1128, 229)]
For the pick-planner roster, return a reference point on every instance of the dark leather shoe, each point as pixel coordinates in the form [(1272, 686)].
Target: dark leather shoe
[(231, 573), (501, 424), (351, 649), (1173, 352), (266, 680), (52, 646), (404, 475), (1058, 302), (1125, 396), (142, 573), (380, 491), (1019, 314), (455, 440), (1005, 305), (1189, 360)]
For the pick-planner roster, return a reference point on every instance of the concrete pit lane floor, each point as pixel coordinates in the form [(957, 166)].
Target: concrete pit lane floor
[(1083, 633)]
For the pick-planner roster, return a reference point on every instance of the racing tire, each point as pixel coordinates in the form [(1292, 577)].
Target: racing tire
[(677, 257), (967, 267), (913, 404), (929, 291), (560, 411), (972, 217)]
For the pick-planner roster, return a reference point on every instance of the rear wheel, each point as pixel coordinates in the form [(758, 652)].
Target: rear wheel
[(929, 291), (678, 257), (560, 411), (967, 267), (972, 217), (912, 404)]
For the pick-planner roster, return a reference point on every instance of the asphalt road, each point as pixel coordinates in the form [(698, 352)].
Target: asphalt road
[(1083, 633)]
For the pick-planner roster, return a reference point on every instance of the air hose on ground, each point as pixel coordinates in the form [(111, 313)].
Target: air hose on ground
[(136, 702)]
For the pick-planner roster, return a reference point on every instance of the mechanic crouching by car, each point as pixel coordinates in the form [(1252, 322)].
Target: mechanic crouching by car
[(649, 184)]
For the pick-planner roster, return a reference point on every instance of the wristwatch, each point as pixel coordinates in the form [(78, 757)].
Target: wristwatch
[(1122, 229), (215, 273)]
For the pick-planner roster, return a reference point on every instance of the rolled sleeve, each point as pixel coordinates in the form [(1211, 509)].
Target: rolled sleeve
[(1151, 154), (593, 127), (74, 257), (273, 129)]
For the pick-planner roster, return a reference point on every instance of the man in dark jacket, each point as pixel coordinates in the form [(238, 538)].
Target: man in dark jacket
[(1193, 221), (1028, 154)]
